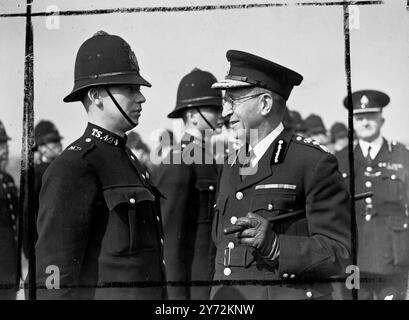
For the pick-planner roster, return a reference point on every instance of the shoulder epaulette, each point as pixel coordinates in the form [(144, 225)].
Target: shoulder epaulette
[(310, 142)]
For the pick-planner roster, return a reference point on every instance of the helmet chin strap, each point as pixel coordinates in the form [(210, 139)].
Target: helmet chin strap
[(204, 118), (133, 124)]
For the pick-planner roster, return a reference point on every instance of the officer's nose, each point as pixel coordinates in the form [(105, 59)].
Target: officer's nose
[(140, 98), (227, 110)]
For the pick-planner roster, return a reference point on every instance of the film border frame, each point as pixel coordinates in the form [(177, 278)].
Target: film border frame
[(26, 194)]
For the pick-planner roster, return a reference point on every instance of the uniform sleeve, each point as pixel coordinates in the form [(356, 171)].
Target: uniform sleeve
[(173, 180), (65, 211), (326, 252)]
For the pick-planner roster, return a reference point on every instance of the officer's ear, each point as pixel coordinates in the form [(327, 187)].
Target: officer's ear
[(266, 104), (94, 97)]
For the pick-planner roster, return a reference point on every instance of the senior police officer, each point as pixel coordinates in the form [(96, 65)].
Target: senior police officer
[(187, 178), (381, 166), (99, 219), (283, 172), (8, 224)]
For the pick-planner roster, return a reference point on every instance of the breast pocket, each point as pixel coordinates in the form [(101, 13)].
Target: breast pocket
[(392, 186), (272, 204), (207, 191), (131, 222)]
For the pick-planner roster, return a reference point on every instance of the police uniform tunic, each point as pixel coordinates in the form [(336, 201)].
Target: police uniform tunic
[(382, 221), (190, 190), (295, 173), (99, 223), (8, 236)]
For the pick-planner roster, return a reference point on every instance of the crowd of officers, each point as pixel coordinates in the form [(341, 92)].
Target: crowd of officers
[(271, 208)]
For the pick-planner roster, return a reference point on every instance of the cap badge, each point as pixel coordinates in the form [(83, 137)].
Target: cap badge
[(364, 102)]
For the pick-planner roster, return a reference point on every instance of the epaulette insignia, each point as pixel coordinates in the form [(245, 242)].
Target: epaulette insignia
[(312, 142)]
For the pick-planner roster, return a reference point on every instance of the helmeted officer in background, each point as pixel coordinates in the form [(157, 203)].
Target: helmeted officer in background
[(188, 179), (8, 224), (49, 147), (381, 166), (339, 136), (282, 172), (99, 218), (293, 121), (315, 129)]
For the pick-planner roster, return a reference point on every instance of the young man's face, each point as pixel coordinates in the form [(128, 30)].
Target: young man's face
[(130, 99), (212, 115), (368, 125), (50, 150)]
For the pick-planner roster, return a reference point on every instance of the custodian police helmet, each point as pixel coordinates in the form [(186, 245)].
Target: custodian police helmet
[(104, 59)]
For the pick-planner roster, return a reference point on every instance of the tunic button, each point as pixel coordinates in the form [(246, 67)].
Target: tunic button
[(163, 261), (11, 207), (308, 294), (368, 200), (285, 275), (239, 195), (368, 184), (405, 226), (368, 217), (211, 188), (157, 218), (227, 272), (143, 176), (147, 174), (13, 216), (393, 177), (369, 169), (214, 206), (161, 241), (292, 276), (88, 140), (233, 220), (132, 201), (4, 185), (298, 138), (270, 207), (133, 158), (14, 227), (344, 175), (231, 245), (8, 196)]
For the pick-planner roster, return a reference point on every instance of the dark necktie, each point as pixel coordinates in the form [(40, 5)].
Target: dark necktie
[(368, 156)]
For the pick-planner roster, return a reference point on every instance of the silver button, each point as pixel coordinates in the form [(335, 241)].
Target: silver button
[(239, 195), (393, 177), (211, 188), (161, 241), (233, 220), (231, 245), (14, 227), (13, 217), (132, 201), (214, 206), (344, 175), (369, 169), (133, 158), (88, 140), (368, 200), (163, 261), (147, 174), (8, 196), (405, 226), (308, 294), (368, 184), (285, 275), (11, 207), (292, 276), (183, 145), (270, 207), (298, 138), (143, 176), (227, 272), (4, 185), (368, 217), (157, 218)]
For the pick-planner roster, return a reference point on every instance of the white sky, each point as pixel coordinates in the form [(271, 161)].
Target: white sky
[(169, 45)]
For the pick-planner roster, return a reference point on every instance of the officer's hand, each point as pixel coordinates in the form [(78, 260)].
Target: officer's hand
[(257, 234)]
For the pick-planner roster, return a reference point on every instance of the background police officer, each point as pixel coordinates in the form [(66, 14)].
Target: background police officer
[(288, 173), (8, 224), (381, 166), (99, 218), (189, 186), (48, 146)]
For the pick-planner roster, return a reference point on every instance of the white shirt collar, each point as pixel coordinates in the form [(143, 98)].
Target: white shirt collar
[(261, 147), (375, 145)]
